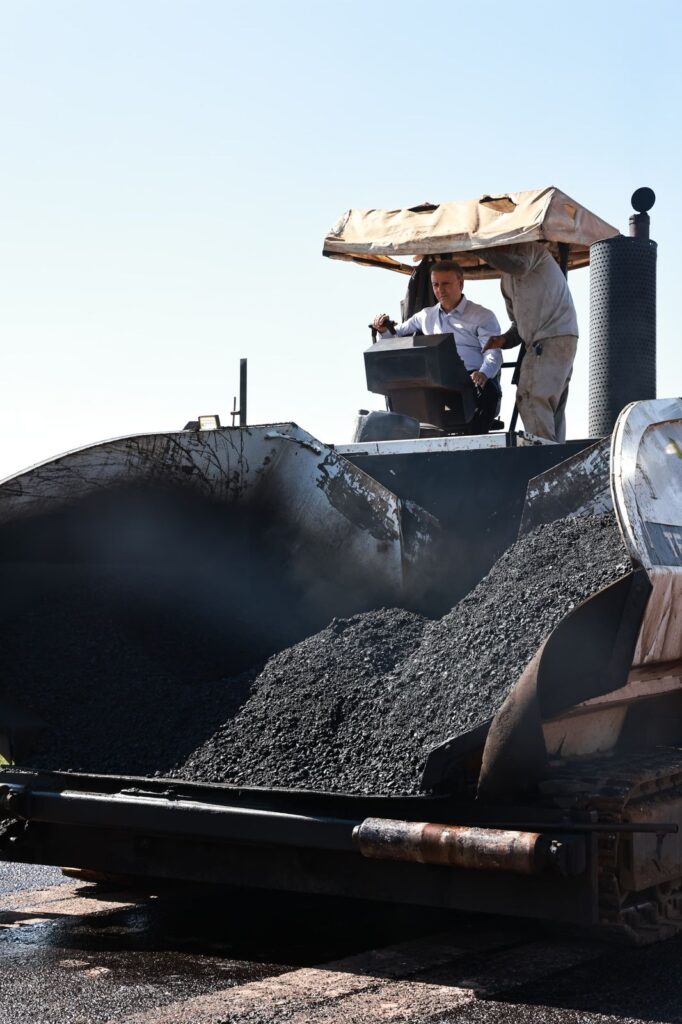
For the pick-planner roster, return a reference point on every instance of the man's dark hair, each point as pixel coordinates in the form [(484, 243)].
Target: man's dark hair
[(445, 265)]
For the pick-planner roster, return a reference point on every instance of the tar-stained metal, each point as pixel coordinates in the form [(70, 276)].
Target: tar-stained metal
[(578, 486), (357, 497)]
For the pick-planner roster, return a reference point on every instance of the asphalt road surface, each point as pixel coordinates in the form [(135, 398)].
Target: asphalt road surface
[(78, 953)]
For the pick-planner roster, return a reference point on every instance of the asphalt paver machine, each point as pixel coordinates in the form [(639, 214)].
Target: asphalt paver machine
[(565, 806)]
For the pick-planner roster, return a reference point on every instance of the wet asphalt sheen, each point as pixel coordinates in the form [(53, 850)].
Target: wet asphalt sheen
[(91, 967), (100, 967)]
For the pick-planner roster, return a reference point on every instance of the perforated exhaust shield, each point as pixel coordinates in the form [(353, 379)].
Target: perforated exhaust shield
[(622, 328)]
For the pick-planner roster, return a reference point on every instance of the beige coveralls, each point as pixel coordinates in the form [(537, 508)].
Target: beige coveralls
[(541, 309)]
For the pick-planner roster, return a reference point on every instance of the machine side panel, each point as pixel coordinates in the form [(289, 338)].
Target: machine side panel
[(321, 872)]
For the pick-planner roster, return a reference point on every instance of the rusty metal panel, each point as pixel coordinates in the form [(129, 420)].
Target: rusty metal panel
[(595, 725), (660, 638), (590, 733)]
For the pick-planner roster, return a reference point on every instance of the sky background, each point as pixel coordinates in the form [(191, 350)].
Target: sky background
[(168, 172)]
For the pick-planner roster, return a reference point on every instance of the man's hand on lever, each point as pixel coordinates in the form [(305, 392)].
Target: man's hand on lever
[(381, 322), (479, 379)]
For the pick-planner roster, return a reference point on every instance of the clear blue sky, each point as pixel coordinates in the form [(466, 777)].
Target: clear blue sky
[(168, 171)]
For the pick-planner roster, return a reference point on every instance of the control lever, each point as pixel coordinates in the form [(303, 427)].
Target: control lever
[(391, 324)]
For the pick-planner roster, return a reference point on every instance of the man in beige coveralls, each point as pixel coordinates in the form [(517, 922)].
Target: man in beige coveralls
[(543, 318)]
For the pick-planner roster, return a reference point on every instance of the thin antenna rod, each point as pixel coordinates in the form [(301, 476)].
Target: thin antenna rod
[(242, 392)]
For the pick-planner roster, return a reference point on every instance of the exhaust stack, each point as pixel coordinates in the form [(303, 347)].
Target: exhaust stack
[(622, 319)]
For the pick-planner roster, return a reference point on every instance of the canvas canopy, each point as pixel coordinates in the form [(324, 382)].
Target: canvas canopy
[(380, 237)]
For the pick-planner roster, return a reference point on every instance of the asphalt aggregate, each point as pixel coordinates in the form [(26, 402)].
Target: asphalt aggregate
[(354, 707), (357, 707), (19, 877), (316, 710)]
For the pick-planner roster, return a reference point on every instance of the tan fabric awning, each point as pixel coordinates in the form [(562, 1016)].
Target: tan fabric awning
[(379, 237)]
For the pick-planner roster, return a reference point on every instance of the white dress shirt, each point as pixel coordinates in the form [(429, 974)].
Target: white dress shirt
[(471, 325)]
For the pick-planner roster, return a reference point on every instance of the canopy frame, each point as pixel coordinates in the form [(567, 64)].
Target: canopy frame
[(462, 229)]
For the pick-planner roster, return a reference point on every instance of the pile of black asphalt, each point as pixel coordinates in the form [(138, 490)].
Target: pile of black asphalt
[(317, 710), (357, 707)]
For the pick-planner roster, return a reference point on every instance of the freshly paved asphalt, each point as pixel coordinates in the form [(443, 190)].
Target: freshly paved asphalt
[(68, 957), (18, 877)]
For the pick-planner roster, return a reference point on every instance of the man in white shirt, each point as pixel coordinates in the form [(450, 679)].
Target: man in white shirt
[(472, 326)]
